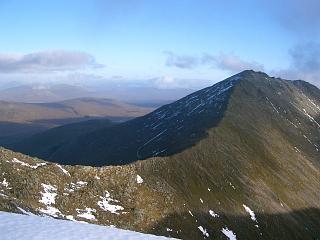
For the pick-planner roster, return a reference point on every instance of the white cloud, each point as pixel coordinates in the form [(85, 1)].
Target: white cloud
[(181, 61), (165, 82), (226, 62), (169, 82), (304, 63), (231, 63), (46, 61)]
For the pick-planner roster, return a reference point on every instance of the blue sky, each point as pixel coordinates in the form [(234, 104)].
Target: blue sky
[(184, 43)]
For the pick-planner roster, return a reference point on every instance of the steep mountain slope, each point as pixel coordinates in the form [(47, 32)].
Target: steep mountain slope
[(21, 120), (167, 130), (251, 171)]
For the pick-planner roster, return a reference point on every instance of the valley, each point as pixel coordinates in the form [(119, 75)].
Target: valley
[(21, 120)]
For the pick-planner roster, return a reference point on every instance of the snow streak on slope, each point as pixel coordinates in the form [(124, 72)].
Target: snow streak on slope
[(22, 227)]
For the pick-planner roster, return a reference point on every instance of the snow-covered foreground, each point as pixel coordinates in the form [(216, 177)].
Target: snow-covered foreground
[(32, 227)]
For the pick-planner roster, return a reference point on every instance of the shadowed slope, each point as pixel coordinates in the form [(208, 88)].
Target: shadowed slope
[(298, 224), (22, 120), (166, 131), (41, 144)]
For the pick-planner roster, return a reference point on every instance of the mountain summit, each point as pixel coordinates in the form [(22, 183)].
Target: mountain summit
[(237, 160)]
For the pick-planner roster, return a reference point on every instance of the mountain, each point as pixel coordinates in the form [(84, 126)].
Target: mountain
[(20, 120), (177, 125), (237, 160)]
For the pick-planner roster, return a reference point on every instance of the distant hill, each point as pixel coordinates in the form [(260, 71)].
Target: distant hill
[(19, 120)]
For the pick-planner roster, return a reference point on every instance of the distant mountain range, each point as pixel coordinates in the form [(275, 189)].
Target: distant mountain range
[(237, 160), (136, 95)]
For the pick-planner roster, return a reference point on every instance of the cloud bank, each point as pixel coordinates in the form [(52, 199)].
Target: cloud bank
[(226, 62), (231, 63), (170, 82), (304, 63), (46, 61), (181, 61)]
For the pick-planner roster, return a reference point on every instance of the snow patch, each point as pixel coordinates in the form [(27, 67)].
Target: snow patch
[(229, 234), (232, 185), (86, 213), (106, 205), (15, 160), (63, 170), (49, 194), (24, 211), (48, 198), (139, 179), (82, 183), (76, 186), (5, 183), (213, 214), (311, 118), (191, 213), (252, 215), (204, 231), (70, 217), (52, 211), (272, 105), (297, 150), (23, 227), (3, 195)]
